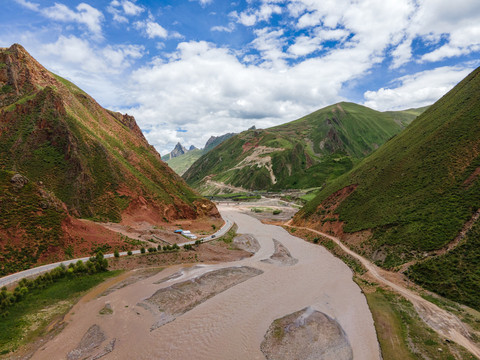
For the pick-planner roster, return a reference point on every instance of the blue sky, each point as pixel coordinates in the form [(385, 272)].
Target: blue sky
[(189, 69)]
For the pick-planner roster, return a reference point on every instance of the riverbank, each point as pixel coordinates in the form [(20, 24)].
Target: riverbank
[(231, 324)]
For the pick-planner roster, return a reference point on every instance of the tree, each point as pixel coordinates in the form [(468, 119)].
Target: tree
[(116, 253)]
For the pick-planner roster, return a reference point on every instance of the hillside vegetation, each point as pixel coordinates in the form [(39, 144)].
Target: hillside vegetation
[(415, 194), (300, 154), (95, 163), (181, 163)]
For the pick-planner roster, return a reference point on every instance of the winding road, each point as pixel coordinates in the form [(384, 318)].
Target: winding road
[(13, 278), (444, 323)]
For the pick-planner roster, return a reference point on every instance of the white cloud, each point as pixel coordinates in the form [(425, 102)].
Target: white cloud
[(252, 16), (416, 90), (28, 4), (206, 89), (203, 2), (85, 15), (100, 71), (304, 45), (131, 9), (121, 9), (152, 29), (229, 28), (458, 22)]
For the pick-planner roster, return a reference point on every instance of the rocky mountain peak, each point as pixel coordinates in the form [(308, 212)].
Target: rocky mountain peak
[(20, 74)]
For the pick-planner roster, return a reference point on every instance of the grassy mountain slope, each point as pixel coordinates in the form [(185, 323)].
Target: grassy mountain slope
[(300, 154), (416, 192), (182, 163), (96, 162)]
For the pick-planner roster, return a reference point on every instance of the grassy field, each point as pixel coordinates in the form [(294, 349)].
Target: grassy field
[(416, 192), (401, 333), (29, 318), (303, 153)]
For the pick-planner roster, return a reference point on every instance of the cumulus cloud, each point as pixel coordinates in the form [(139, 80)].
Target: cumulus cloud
[(229, 28), (84, 14), (99, 70), (28, 4), (203, 89), (252, 16), (458, 22), (416, 90), (151, 29), (121, 9)]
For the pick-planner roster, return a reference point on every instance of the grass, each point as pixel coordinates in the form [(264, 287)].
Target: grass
[(391, 332), (416, 192), (456, 274), (28, 319), (402, 334), (23, 217), (83, 153), (181, 163), (304, 153), (230, 235)]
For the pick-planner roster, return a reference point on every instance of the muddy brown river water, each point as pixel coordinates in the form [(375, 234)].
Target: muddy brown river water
[(232, 323)]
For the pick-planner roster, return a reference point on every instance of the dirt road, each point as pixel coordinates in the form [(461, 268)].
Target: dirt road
[(443, 322)]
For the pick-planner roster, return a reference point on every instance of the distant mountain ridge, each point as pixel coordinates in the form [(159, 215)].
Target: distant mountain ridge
[(300, 154), (181, 162), (94, 162)]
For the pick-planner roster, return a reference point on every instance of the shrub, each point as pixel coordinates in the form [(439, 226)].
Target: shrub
[(142, 250), (129, 252), (316, 240), (116, 253), (151, 249), (276, 212), (159, 247)]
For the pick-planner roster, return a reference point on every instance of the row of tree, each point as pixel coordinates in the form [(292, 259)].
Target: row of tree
[(94, 265)]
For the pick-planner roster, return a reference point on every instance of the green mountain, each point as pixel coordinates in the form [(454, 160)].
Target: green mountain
[(94, 162), (415, 197), (181, 163), (300, 154)]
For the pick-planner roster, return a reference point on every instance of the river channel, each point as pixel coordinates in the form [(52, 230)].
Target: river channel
[(230, 324)]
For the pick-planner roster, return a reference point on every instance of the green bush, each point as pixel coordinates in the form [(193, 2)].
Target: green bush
[(142, 250), (129, 252), (116, 253)]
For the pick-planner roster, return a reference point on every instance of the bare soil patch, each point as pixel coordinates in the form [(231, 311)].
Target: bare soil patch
[(134, 277), (281, 255), (212, 252), (169, 303), (306, 334), (89, 346), (247, 242)]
